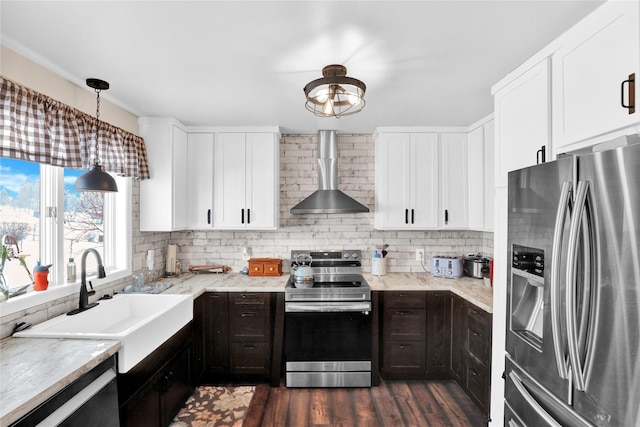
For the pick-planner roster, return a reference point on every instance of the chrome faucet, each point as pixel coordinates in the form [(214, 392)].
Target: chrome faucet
[(83, 303)]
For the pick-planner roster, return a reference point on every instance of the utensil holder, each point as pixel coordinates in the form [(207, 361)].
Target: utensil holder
[(378, 266)]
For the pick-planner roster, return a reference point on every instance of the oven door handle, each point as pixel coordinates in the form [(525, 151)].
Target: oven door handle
[(323, 307)]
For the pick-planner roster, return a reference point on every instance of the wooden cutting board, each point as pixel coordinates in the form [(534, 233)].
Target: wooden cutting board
[(209, 269)]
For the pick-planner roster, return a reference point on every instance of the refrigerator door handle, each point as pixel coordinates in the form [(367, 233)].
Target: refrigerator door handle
[(558, 346), (584, 332), (517, 382)]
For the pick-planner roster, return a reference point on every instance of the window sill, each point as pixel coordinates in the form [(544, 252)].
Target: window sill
[(54, 292)]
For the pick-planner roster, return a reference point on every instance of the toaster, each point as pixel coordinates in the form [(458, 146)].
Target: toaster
[(446, 266)]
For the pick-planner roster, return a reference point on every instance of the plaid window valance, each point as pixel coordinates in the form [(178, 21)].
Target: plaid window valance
[(40, 129)]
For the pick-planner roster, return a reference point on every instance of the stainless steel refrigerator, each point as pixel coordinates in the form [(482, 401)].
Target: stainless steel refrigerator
[(573, 297)]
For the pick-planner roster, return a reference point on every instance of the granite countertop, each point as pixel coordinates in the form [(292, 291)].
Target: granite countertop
[(34, 369), (473, 290)]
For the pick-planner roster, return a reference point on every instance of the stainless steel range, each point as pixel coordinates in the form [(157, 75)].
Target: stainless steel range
[(328, 322)]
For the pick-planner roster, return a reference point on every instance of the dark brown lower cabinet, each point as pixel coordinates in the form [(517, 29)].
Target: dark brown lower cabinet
[(153, 391), (436, 335), (416, 335), (471, 350), (237, 335), (438, 352)]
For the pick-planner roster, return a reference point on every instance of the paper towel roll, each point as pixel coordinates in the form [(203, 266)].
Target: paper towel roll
[(172, 251)]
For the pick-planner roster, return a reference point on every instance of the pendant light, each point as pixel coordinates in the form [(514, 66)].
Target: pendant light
[(96, 179), (335, 94)]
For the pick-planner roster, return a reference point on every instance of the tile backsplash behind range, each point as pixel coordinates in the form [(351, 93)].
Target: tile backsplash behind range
[(298, 179)]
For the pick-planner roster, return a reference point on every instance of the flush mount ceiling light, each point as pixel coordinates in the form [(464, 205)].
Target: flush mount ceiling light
[(335, 94), (96, 179)]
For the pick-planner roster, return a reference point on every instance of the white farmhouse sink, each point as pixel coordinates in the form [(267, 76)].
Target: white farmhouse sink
[(140, 322)]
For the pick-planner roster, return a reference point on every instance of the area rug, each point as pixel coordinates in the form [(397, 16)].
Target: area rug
[(215, 407)]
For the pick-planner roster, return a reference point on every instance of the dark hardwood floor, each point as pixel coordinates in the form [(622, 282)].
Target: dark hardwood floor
[(393, 403)]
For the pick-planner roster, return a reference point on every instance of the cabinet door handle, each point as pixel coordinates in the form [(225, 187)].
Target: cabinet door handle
[(249, 314), (248, 216), (446, 216), (541, 155), (250, 346), (242, 216), (401, 313), (405, 346), (412, 216), (631, 91), (406, 216), (209, 216)]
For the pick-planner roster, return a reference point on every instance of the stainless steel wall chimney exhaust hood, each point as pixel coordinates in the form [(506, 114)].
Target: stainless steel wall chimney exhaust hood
[(328, 199)]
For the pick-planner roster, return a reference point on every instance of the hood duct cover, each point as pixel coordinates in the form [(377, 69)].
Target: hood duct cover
[(328, 199)]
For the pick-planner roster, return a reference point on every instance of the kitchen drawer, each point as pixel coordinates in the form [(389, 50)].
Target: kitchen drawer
[(251, 357), (249, 324), (403, 357), (405, 300), (253, 299), (406, 324), (478, 382), (479, 339), (480, 316)]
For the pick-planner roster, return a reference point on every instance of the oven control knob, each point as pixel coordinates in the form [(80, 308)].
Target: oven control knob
[(345, 254), (354, 255)]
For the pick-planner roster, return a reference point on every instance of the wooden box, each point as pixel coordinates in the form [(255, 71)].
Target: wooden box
[(265, 267)]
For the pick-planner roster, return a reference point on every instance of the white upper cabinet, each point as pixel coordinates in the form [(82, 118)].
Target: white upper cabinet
[(454, 185), (522, 121), (480, 170), (163, 197), (246, 181), (200, 179), (406, 186), (591, 73)]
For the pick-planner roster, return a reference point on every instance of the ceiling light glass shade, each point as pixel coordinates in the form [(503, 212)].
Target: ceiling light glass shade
[(335, 94), (95, 179)]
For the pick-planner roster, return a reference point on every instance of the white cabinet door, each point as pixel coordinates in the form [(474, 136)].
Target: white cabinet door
[(476, 178), (180, 180), (200, 180), (424, 160), (392, 172), (406, 187), (246, 181), (589, 71), (262, 167), (480, 179), (453, 205), (163, 196), (229, 181), (489, 175), (522, 126)]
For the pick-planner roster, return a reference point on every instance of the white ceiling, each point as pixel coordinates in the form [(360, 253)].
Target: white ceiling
[(235, 63)]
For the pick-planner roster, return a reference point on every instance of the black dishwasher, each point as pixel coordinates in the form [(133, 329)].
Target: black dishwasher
[(92, 400)]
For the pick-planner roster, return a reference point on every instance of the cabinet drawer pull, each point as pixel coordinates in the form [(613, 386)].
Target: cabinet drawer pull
[(403, 346), (631, 84), (245, 296), (402, 313), (249, 314), (250, 346)]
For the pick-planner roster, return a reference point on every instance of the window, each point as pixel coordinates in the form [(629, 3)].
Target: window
[(53, 223)]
